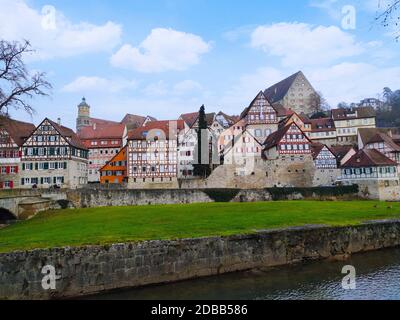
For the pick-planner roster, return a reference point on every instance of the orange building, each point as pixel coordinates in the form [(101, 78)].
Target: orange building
[(115, 171)]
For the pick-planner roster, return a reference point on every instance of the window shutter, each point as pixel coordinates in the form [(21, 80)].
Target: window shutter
[(23, 167), (22, 181), (11, 184), (8, 169), (16, 169)]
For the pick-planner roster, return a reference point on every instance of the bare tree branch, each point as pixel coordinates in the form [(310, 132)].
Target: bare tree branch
[(17, 85), (390, 16)]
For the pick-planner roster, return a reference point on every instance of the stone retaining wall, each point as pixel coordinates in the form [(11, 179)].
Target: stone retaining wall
[(94, 269)]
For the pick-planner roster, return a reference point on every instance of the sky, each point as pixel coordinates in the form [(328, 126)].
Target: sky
[(167, 57)]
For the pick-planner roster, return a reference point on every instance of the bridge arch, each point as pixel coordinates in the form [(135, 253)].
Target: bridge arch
[(6, 216)]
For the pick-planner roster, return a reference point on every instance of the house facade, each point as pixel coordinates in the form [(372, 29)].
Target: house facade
[(103, 141), (115, 171), (349, 121), (294, 93), (12, 135), (376, 175), (53, 155), (153, 155), (326, 165)]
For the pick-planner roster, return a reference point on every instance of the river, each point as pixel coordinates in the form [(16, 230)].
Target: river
[(377, 278)]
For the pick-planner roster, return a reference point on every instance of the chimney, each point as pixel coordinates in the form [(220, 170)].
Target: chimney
[(94, 126), (59, 121)]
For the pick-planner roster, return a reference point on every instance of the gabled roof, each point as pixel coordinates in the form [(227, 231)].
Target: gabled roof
[(282, 111), (123, 150), (102, 121), (382, 137), (259, 96), (133, 121), (366, 134), (341, 151), (274, 138), (17, 130), (355, 113), (279, 90), (162, 126), (68, 134), (189, 118), (230, 119), (113, 131), (368, 158)]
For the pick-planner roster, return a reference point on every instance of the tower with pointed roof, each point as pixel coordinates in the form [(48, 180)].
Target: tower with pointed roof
[(83, 119)]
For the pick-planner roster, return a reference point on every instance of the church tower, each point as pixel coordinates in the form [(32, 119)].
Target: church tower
[(83, 119)]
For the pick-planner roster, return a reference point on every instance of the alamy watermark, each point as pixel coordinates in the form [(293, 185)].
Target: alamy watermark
[(349, 281), (49, 281)]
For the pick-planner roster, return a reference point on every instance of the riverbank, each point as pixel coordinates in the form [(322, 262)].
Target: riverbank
[(93, 269), (109, 225)]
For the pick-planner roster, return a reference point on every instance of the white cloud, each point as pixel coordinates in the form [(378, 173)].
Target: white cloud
[(300, 44), (85, 84), (351, 82), (247, 87), (187, 87), (161, 88), (162, 50), (52, 34)]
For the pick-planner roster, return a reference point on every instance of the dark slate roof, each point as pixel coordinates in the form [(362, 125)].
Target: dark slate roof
[(19, 131), (322, 124), (279, 90), (369, 158)]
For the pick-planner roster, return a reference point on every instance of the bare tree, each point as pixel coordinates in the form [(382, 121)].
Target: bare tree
[(318, 103), (17, 84), (388, 15)]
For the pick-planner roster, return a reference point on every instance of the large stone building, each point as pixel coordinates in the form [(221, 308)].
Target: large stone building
[(103, 141), (294, 93), (13, 133), (53, 155)]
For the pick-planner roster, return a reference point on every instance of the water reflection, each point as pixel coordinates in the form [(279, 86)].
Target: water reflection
[(378, 278)]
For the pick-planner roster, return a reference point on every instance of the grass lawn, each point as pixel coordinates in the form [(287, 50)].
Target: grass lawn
[(124, 224)]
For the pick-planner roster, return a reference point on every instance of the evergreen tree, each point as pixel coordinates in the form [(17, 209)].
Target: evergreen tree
[(201, 169)]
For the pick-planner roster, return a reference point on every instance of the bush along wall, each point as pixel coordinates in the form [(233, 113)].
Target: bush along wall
[(283, 193), (222, 195)]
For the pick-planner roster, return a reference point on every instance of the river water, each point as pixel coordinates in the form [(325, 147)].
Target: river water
[(377, 278)]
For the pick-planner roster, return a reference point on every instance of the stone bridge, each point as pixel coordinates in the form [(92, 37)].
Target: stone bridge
[(23, 207)]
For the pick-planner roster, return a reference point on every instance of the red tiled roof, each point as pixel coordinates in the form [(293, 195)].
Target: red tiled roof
[(369, 158), (162, 126), (102, 132), (382, 137), (322, 124), (340, 151), (344, 114), (190, 118), (133, 120), (19, 131), (102, 121)]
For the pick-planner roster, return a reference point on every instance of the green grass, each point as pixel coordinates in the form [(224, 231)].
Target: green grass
[(124, 224)]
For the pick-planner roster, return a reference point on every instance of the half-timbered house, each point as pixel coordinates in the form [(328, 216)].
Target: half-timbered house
[(103, 143), (260, 117), (12, 135), (115, 171), (53, 155), (326, 165), (153, 155)]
